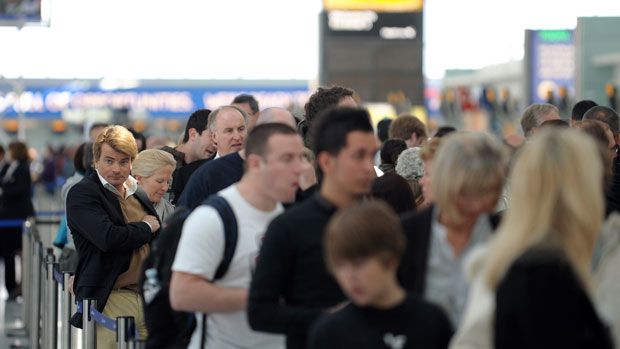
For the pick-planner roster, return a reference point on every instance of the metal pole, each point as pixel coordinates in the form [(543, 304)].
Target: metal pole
[(137, 344), (65, 313), (26, 273), (125, 331), (35, 279), (89, 332), (51, 293)]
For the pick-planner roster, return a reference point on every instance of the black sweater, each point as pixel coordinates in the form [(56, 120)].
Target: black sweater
[(291, 287), (541, 304), (412, 324)]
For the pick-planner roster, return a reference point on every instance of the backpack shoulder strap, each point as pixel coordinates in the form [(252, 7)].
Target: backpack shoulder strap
[(230, 232), (230, 244)]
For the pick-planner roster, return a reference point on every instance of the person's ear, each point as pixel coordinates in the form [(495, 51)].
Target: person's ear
[(193, 134), (253, 161), (326, 162)]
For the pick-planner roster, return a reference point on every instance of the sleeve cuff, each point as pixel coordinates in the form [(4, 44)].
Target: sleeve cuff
[(150, 227)]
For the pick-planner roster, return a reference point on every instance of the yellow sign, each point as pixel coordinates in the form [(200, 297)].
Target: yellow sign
[(374, 5)]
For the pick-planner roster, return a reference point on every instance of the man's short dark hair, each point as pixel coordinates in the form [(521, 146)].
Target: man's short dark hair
[(391, 149), (78, 159), (383, 128), (249, 99), (405, 125), (606, 115), (580, 108), (444, 130), (138, 136), (324, 98), (198, 121), (259, 136), (334, 124)]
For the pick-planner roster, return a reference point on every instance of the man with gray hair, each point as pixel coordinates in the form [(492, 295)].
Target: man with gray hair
[(535, 115), (228, 127), (227, 169)]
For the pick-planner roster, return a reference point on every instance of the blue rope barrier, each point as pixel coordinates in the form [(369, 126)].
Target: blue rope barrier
[(11, 223), (105, 321), (58, 277)]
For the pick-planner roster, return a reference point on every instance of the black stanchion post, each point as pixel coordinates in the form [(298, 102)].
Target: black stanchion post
[(51, 295), (89, 332)]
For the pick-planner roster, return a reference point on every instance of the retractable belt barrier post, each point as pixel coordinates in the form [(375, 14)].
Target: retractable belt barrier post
[(35, 289), (127, 336), (125, 329), (137, 344), (26, 273), (89, 334), (65, 312), (39, 286), (51, 302)]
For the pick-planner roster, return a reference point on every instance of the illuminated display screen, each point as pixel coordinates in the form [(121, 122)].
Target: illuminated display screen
[(375, 53), (551, 56)]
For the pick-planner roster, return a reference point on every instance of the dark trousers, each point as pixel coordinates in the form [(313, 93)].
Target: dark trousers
[(10, 241)]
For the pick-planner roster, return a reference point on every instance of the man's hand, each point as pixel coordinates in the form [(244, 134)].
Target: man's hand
[(152, 221)]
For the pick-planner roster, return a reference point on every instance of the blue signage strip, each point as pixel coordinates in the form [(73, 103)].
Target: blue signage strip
[(157, 102)]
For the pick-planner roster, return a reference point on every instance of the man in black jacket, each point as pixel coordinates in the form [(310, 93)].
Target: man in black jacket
[(112, 222), (291, 286)]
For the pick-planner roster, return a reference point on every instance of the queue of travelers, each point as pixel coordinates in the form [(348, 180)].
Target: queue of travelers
[(286, 235)]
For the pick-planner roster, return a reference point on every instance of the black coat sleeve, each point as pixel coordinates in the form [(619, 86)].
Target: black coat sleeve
[(266, 311), (542, 305), (88, 216)]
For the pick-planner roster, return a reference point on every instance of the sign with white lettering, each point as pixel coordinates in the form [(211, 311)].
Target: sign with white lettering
[(388, 26), (159, 102)]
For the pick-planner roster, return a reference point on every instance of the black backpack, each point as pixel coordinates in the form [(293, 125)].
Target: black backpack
[(168, 328)]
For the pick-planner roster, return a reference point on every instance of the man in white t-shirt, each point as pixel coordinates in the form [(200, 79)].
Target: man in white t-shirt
[(273, 164)]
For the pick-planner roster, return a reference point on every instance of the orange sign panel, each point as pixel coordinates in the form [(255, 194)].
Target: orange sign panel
[(374, 5)]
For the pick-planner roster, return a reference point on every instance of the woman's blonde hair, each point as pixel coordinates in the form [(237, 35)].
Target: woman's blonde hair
[(557, 200), (150, 160), (117, 137), (472, 164)]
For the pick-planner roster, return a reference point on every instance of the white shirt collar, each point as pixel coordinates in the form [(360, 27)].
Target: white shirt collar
[(131, 185)]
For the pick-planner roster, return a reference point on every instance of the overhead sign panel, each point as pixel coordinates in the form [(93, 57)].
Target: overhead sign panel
[(374, 5), (551, 64)]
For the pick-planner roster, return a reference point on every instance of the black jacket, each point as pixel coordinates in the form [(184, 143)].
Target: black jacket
[(104, 242), (541, 303), (15, 201), (414, 264)]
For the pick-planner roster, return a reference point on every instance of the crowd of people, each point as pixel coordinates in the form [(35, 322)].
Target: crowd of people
[(265, 231)]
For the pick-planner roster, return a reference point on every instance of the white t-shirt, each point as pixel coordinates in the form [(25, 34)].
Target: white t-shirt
[(200, 252)]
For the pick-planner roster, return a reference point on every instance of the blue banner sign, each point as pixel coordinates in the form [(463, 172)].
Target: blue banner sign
[(156, 102)]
